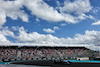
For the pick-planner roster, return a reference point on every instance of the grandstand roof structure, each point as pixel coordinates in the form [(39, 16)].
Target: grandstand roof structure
[(52, 45), (90, 46)]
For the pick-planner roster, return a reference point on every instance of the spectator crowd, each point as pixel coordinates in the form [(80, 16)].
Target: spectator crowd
[(29, 53)]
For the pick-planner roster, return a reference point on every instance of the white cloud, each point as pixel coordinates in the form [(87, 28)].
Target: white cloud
[(2, 18), (15, 28), (63, 24), (58, 4), (90, 37), (33, 37), (37, 20), (3, 40), (3, 33), (49, 30), (84, 16), (90, 16), (77, 7), (13, 10), (96, 10), (6, 32), (96, 23), (41, 9), (55, 28)]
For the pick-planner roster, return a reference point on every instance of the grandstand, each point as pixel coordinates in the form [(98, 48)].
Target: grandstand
[(14, 53)]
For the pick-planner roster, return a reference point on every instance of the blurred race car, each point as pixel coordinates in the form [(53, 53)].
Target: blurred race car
[(62, 62)]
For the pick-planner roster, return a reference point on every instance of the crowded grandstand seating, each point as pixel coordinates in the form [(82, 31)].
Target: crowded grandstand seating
[(45, 52)]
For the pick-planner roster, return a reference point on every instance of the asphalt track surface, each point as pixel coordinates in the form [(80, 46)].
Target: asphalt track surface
[(52, 64)]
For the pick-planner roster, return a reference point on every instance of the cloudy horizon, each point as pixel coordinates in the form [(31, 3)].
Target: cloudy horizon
[(50, 22)]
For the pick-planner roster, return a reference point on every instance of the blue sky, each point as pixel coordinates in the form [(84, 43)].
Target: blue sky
[(50, 21)]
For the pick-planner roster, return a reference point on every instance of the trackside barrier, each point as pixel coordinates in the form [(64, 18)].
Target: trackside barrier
[(39, 58), (49, 58), (53, 58), (6, 60), (18, 59), (1, 60), (29, 58), (62, 58), (34, 58), (44, 58), (65, 57), (57, 58), (24, 59), (12, 59)]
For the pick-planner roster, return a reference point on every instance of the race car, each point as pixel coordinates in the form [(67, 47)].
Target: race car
[(62, 62)]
